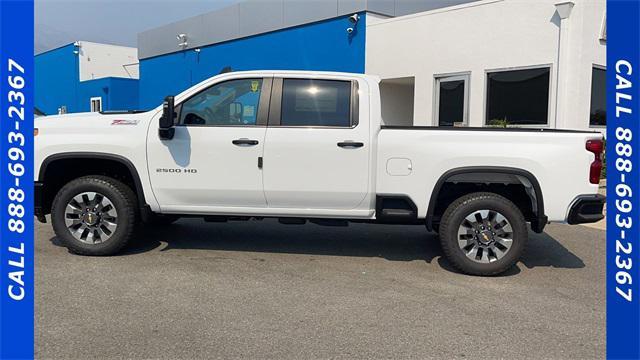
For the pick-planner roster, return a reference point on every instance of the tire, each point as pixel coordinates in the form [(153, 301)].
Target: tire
[(483, 245), (107, 228)]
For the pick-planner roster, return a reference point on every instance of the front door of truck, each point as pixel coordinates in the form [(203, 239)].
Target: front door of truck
[(212, 161), (317, 151)]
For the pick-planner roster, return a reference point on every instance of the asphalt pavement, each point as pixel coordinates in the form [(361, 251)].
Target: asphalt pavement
[(264, 290)]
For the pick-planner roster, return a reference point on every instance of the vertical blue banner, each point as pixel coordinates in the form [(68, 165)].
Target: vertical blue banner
[(16, 180), (623, 182)]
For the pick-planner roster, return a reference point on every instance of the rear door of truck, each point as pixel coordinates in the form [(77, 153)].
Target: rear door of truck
[(316, 153)]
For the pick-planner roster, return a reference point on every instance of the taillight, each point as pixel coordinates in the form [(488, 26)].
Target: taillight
[(596, 147)]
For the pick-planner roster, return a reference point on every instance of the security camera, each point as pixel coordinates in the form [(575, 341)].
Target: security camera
[(354, 18), (349, 30), (182, 40)]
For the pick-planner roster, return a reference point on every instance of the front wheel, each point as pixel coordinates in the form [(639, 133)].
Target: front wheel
[(483, 234), (94, 215)]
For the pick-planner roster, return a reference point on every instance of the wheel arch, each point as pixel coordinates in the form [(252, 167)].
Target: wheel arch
[(49, 162), (499, 175)]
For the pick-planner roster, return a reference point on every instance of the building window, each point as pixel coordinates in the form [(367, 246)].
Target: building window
[(518, 97), (598, 114), (452, 98), (316, 103), (96, 104)]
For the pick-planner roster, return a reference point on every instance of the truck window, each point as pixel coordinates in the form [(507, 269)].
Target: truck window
[(232, 102), (316, 103)]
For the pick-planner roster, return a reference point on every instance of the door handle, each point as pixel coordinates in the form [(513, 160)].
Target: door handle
[(245, 142), (350, 144)]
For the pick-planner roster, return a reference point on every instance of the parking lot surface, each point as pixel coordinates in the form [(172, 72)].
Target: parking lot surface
[(265, 290)]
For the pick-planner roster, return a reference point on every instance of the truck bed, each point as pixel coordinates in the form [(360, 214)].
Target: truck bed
[(557, 159)]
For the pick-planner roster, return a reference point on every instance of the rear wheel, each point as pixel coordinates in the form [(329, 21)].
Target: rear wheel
[(94, 215), (483, 234)]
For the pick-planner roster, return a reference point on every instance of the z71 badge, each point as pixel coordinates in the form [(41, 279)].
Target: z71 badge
[(124, 122)]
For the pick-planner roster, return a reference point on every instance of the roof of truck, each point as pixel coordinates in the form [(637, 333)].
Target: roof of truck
[(304, 73)]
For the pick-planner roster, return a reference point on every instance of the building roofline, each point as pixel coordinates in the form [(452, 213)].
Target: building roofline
[(437, 11), (108, 78), (54, 49), (81, 42), (254, 17), (246, 37)]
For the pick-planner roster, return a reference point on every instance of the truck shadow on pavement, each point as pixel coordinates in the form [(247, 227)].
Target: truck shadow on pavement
[(390, 242)]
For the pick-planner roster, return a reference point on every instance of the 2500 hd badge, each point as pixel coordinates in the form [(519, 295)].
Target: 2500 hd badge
[(177, 171)]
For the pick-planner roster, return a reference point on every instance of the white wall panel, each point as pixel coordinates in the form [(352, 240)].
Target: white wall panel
[(488, 35), (98, 61)]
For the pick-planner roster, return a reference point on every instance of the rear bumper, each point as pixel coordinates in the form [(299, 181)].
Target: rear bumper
[(587, 209), (38, 202)]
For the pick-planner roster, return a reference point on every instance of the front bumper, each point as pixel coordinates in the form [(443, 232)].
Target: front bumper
[(38, 202), (587, 209)]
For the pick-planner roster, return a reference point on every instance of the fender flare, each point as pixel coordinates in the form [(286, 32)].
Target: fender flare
[(537, 225), (97, 155)]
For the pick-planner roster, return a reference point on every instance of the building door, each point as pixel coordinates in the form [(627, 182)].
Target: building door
[(212, 163), (96, 104), (452, 100), (316, 152)]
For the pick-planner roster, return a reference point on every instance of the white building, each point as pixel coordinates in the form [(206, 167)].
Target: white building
[(105, 60), (86, 76), (532, 62)]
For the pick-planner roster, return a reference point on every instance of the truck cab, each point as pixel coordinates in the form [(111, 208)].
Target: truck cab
[(284, 144)]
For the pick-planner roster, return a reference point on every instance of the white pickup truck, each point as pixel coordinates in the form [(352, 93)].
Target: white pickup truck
[(309, 146)]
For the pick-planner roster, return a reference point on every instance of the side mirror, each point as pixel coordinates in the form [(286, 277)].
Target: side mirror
[(166, 130)]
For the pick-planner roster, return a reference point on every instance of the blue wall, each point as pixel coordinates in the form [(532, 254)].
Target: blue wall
[(323, 46), (57, 83), (56, 80), (116, 94)]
